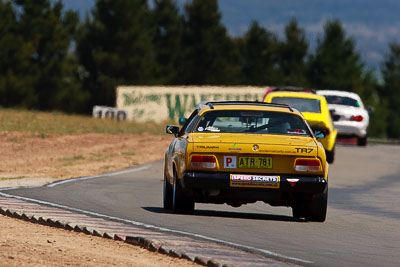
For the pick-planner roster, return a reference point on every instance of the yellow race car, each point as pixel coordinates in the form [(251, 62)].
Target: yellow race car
[(315, 109), (242, 152)]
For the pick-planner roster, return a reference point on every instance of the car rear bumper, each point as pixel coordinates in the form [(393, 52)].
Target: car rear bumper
[(221, 181), (351, 129)]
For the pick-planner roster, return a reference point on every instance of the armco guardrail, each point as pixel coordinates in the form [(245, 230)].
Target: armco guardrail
[(109, 112), (160, 103)]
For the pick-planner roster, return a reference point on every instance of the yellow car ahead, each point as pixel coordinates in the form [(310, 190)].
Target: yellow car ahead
[(242, 152), (315, 109)]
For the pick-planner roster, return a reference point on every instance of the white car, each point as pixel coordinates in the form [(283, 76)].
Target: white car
[(349, 115)]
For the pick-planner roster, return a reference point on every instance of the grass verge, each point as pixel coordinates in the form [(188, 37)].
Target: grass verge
[(59, 123)]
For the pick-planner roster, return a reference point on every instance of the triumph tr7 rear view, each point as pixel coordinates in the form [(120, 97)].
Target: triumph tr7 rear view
[(237, 153)]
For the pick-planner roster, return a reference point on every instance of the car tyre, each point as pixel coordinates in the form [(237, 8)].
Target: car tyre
[(298, 211), (330, 155), (180, 203), (167, 194), (362, 141), (317, 207)]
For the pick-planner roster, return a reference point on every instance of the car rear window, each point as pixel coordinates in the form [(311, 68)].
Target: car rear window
[(248, 121), (301, 104), (342, 100)]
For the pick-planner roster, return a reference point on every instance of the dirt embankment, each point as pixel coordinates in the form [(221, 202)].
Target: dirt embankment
[(24, 156), (29, 159), (27, 244)]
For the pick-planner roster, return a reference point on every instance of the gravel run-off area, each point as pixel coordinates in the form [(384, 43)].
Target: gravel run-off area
[(28, 159)]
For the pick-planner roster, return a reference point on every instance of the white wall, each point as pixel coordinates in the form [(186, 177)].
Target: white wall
[(161, 103)]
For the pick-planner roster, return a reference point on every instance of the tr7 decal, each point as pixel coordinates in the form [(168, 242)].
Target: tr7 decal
[(304, 150)]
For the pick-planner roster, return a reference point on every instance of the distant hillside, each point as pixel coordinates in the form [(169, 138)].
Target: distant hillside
[(372, 24)]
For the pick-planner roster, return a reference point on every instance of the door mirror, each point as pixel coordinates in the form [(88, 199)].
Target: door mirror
[(172, 130), (336, 117), (319, 134)]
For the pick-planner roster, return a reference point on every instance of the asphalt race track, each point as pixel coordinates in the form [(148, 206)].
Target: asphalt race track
[(362, 227)]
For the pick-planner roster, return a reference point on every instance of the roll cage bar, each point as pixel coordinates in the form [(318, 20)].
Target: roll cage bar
[(211, 104)]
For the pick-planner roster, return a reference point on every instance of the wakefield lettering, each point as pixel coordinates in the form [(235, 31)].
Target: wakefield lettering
[(156, 103)]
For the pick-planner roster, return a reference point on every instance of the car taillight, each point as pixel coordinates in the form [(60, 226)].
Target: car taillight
[(310, 165), (203, 161), (356, 118)]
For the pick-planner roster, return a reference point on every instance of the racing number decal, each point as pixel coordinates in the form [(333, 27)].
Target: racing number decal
[(229, 162)]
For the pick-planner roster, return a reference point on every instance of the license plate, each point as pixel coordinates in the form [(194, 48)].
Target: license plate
[(255, 163), (255, 181)]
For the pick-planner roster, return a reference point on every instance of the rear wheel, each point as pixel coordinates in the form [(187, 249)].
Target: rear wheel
[(167, 194), (330, 155), (181, 203), (317, 207), (362, 141), (298, 211)]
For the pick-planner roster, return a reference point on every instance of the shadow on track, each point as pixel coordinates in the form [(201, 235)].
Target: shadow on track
[(229, 214)]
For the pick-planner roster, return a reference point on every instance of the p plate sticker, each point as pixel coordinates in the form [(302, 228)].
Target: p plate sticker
[(255, 181), (229, 162)]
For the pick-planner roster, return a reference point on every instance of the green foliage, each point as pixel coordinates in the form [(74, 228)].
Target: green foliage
[(292, 55), (391, 76), (371, 99), (16, 86), (50, 60), (378, 121), (368, 90), (259, 50), (48, 30), (335, 64), (36, 70), (391, 89), (167, 41), (115, 47), (209, 55)]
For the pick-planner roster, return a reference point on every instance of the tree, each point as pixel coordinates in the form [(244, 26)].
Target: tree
[(335, 63), (115, 47), (16, 87), (259, 57), (51, 70), (292, 54), (374, 102), (390, 92), (167, 41), (209, 56)]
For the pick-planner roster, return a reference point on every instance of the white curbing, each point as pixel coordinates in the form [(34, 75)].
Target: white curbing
[(262, 252)]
